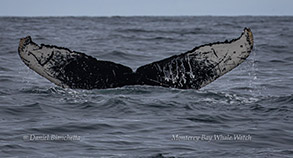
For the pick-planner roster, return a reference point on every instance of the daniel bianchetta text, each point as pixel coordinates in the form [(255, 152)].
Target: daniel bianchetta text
[(215, 137), (51, 137)]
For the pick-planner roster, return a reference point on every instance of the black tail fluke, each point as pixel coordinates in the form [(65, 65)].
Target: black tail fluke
[(199, 66), (72, 69), (193, 69)]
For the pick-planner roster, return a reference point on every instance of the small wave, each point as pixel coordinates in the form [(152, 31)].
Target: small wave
[(70, 127), (226, 98), (179, 31), (2, 80), (226, 24), (160, 38), (13, 148), (2, 93), (33, 109), (36, 90), (135, 30), (118, 105), (277, 61), (274, 104), (206, 119), (9, 147), (288, 35), (5, 69), (285, 100), (88, 105), (286, 152), (289, 59), (160, 155)]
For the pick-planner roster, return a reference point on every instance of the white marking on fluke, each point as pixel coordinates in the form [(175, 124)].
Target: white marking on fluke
[(37, 58), (224, 57)]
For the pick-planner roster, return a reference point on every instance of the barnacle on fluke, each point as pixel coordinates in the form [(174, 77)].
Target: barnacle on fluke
[(193, 69)]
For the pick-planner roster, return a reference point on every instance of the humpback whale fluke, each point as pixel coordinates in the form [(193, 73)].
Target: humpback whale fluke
[(193, 69)]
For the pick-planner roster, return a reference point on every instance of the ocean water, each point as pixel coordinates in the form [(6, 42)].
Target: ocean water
[(245, 113)]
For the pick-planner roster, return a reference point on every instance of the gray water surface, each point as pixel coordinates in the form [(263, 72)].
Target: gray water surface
[(245, 113)]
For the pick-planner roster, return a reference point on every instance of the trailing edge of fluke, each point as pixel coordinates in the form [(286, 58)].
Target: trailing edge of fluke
[(190, 70)]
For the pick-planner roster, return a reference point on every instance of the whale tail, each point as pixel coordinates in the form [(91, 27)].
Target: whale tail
[(193, 69), (199, 66)]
